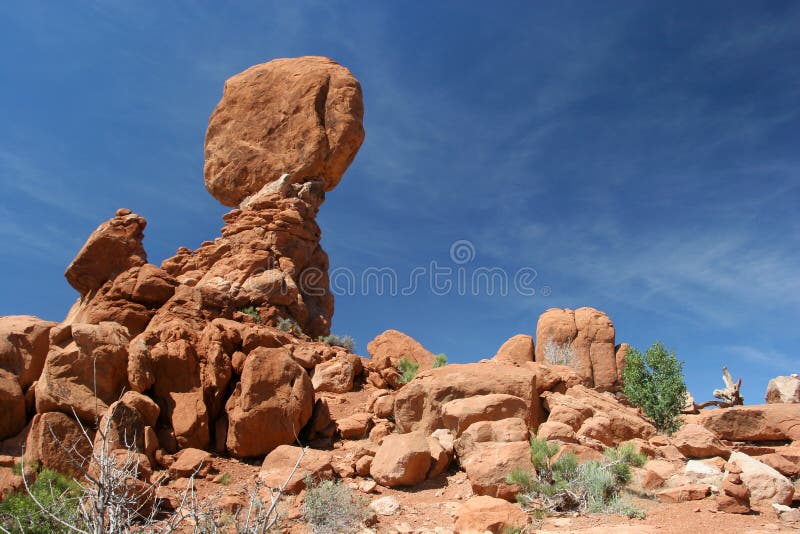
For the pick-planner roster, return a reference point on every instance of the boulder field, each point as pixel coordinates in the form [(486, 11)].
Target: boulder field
[(216, 359)]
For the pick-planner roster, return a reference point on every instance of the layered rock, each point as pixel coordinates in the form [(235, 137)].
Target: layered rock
[(590, 334), (419, 404), (764, 422)]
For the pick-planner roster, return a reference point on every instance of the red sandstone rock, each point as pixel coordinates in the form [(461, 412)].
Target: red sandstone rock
[(766, 485), (12, 405), (690, 492), (278, 465), (518, 350), (115, 246), (402, 460), (763, 422), (387, 349), (487, 514), (695, 441), (50, 436), (85, 370), (418, 405), (270, 405), (458, 414), (24, 341), (300, 116), (590, 333)]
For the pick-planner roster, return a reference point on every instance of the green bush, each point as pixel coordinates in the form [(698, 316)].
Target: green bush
[(252, 312), (346, 342), (654, 383), (440, 360), (330, 507), (56, 492), (408, 369), (289, 326), (564, 485)]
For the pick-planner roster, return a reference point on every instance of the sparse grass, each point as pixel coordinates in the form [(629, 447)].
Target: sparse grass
[(560, 354), (564, 485), (440, 360), (330, 507), (407, 369), (346, 342), (252, 312), (225, 479)]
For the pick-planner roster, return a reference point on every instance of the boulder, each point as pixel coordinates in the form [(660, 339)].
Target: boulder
[(556, 431), (121, 427), (270, 405), (190, 462), (24, 342), (51, 435), (385, 505), (518, 350), (402, 460), (503, 431), (277, 467), (458, 414), (299, 116), (115, 246), (689, 492), (695, 441), (783, 389), (734, 497), (488, 465), (418, 405), (85, 370), (765, 484), (596, 416), (590, 334), (487, 514), (702, 472), (12, 406), (388, 348), (335, 376), (356, 426), (761, 422), (143, 404)]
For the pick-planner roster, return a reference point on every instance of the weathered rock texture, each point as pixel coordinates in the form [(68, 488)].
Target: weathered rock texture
[(590, 333), (762, 422), (784, 389), (301, 117)]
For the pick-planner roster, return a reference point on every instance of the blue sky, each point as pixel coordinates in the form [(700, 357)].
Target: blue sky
[(642, 157)]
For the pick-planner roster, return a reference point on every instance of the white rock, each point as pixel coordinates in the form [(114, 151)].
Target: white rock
[(766, 485), (784, 389), (385, 506), (786, 513), (701, 472)]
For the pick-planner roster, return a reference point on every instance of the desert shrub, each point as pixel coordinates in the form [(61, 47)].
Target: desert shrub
[(440, 360), (330, 507), (252, 312), (564, 485), (654, 382), (408, 369), (560, 354), (56, 492), (346, 342), (289, 326)]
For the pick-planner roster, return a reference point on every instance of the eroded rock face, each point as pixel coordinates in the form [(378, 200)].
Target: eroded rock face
[(85, 370), (51, 435), (783, 389), (114, 247), (418, 405), (518, 350), (300, 116), (761, 422), (590, 333), (24, 341), (270, 405), (12, 405)]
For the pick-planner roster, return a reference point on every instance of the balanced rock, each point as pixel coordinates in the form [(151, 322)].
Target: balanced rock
[(300, 116), (785, 389), (402, 460), (589, 333)]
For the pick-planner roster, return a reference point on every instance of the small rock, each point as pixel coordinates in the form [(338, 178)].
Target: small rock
[(786, 513), (385, 506)]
